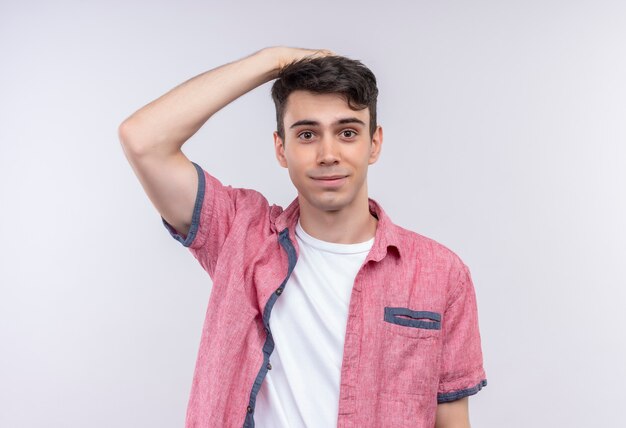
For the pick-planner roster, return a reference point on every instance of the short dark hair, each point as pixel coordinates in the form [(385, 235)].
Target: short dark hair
[(327, 75)]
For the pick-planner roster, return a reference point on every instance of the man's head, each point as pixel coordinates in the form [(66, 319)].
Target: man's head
[(327, 75), (326, 128)]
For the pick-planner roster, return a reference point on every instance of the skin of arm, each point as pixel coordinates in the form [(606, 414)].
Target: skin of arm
[(454, 414), (152, 137), (167, 122)]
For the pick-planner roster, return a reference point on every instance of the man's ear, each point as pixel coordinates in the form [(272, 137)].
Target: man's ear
[(377, 142), (279, 148)]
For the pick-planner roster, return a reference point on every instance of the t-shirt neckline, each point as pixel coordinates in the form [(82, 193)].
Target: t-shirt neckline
[(333, 247)]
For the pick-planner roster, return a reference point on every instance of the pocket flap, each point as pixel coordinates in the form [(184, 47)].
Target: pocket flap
[(410, 318)]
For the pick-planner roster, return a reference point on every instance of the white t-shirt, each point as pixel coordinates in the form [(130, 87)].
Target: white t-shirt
[(308, 324)]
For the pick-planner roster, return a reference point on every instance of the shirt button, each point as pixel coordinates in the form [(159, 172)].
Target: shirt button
[(249, 409), (280, 290), (269, 366)]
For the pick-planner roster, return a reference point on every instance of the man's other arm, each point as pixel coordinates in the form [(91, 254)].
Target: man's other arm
[(152, 137), (454, 414)]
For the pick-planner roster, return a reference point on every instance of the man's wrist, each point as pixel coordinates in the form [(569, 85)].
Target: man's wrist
[(281, 56)]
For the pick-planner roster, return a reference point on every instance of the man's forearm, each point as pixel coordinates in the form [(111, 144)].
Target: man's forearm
[(167, 122), (170, 120)]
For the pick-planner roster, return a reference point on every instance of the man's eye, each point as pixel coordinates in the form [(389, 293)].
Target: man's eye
[(306, 135), (348, 133)]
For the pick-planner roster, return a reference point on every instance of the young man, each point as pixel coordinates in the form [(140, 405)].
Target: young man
[(324, 313)]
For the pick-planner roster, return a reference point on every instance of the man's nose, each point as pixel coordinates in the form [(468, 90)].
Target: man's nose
[(328, 152)]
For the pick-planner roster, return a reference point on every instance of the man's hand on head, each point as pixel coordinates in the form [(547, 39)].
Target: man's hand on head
[(286, 55)]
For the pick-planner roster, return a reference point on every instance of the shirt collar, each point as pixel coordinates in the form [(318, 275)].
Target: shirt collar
[(387, 233)]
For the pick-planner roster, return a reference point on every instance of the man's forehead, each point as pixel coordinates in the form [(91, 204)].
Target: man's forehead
[(330, 107)]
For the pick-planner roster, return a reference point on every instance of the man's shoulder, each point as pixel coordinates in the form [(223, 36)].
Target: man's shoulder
[(241, 197), (423, 247)]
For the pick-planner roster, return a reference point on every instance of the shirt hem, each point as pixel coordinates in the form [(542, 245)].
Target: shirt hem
[(188, 240), (456, 395)]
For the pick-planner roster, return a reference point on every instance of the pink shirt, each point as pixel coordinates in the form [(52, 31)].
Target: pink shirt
[(412, 338)]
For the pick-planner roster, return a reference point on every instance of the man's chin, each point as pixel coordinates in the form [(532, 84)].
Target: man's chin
[(327, 203)]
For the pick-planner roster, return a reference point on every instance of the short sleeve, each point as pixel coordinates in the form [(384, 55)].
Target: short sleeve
[(462, 373), (213, 214)]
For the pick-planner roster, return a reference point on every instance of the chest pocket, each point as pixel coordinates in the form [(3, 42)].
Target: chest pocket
[(411, 351)]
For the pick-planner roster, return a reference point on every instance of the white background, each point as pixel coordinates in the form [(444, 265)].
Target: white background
[(504, 126)]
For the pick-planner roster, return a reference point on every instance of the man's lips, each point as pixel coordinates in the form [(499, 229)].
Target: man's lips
[(330, 181), (329, 177)]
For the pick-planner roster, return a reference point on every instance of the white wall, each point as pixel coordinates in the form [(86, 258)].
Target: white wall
[(504, 140)]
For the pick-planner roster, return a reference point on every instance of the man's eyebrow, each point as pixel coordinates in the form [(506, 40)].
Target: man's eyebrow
[(309, 122), (350, 120)]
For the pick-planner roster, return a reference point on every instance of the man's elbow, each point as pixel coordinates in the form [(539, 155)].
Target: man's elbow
[(129, 137)]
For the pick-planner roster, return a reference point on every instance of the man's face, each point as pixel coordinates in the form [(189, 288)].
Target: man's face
[(325, 139)]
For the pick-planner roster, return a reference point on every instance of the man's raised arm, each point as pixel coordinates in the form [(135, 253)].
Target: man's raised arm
[(152, 137)]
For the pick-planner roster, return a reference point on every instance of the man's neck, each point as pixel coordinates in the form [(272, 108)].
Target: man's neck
[(351, 225)]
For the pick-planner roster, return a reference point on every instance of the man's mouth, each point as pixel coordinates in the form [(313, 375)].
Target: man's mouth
[(330, 177), (331, 180)]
